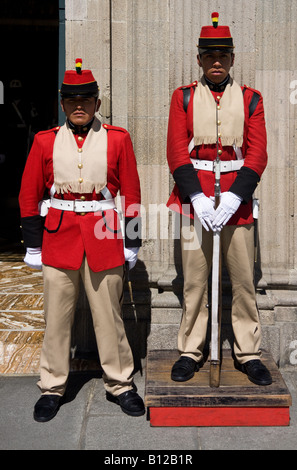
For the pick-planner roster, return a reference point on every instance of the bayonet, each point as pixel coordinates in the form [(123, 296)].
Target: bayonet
[(216, 299)]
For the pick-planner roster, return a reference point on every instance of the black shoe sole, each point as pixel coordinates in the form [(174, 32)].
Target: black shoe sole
[(115, 400), (263, 384), (182, 379), (257, 382), (43, 419)]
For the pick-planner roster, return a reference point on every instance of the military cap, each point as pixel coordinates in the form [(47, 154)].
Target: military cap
[(79, 82), (215, 37)]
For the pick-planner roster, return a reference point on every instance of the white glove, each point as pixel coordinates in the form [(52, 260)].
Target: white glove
[(33, 258), (131, 256), (204, 208), (229, 204)]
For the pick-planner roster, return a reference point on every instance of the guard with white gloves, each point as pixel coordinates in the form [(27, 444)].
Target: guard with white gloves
[(77, 235), (229, 204), (209, 119)]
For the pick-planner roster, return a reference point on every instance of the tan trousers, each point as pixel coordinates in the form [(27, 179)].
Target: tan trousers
[(238, 249), (104, 291)]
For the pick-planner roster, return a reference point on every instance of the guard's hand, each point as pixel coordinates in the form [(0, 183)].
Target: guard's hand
[(229, 204), (131, 256), (204, 209), (33, 258)]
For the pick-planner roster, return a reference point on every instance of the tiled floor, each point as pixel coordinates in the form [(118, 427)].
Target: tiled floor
[(21, 316), (21, 319)]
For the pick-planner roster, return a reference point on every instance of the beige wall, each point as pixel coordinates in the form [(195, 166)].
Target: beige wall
[(140, 51)]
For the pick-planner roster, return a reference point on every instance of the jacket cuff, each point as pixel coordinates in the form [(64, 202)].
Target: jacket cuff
[(132, 232), (32, 229), (187, 180), (245, 183)]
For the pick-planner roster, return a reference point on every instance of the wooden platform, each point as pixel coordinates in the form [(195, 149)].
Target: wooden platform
[(236, 402)]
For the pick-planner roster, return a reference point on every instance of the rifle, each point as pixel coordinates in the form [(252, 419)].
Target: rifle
[(132, 303), (216, 300)]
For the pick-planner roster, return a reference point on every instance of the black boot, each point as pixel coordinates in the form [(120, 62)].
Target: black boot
[(184, 369), (46, 408), (130, 402), (256, 372)]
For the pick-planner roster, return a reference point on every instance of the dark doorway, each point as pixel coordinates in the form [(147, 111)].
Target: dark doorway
[(29, 38)]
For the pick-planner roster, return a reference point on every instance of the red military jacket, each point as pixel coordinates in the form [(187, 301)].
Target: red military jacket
[(66, 236), (188, 181)]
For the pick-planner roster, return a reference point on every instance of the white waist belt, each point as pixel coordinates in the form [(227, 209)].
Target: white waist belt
[(207, 165), (82, 206)]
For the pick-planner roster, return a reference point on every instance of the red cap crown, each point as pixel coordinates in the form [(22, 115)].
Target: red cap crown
[(215, 36), (71, 77), (79, 82)]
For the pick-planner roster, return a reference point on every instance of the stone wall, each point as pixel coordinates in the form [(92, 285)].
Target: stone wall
[(140, 51)]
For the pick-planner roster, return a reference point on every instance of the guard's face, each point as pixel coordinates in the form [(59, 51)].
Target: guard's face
[(80, 109), (216, 65)]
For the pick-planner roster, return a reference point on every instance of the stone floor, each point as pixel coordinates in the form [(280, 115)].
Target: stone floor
[(21, 319), (21, 315)]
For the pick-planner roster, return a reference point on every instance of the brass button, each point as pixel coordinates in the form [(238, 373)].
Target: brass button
[(219, 123), (220, 152), (219, 107), (80, 165), (82, 198), (218, 98), (82, 213), (80, 139), (80, 180), (79, 150)]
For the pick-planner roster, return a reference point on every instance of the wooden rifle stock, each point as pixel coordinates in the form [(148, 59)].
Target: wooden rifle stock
[(130, 291)]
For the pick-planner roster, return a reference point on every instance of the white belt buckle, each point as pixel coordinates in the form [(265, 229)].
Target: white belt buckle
[(77, 203)]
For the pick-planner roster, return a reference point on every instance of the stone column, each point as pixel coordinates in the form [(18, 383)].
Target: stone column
[(140, 52), (276, 77), (87, 24)]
